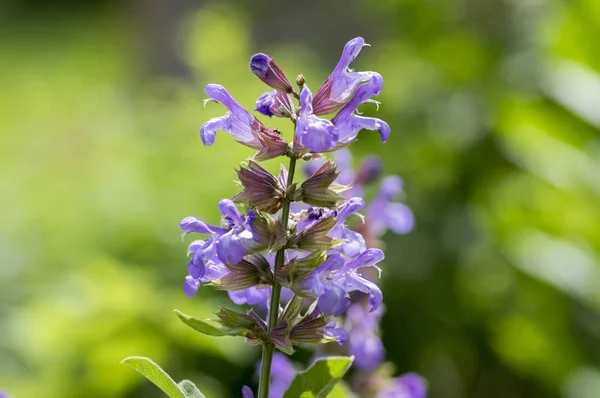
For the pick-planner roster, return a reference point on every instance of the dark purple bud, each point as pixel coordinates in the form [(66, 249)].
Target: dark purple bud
[(369, 171), (264, 103), (270, 73)]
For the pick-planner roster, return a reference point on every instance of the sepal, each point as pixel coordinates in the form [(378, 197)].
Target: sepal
[(320, 189), (253, 270), (261, 189), (314, 237)]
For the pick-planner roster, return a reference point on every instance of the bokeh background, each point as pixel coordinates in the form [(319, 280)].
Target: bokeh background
[(495, 113)]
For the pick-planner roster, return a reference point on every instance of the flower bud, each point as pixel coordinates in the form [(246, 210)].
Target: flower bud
[(369, 171), (317, 190), (270, 73), (254, 328), (300, 81), (253, 270), (314, 237), (261, 189)]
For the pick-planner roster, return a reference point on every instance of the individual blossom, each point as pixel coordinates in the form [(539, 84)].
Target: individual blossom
[(267, 70), (348, 124), (261, 189), (363, 336), (242, 126), (408, 385), (385, 213), (225, 244), (319, 189), (339, 86), (334, 280), (275, 103), (312, 132)]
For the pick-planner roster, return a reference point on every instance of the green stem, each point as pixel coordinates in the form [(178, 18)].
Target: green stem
[(269, 348)]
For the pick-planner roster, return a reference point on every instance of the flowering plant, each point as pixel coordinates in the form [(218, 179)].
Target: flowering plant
[(293, 250)]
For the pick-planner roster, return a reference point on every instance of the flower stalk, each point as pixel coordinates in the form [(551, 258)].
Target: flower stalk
[(269, 348)]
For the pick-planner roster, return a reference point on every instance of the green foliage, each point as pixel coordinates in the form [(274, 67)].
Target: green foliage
[(189, 389), (206, 328), (319, 379), (156, 375)]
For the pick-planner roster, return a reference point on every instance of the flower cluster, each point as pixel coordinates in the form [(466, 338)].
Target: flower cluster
[(288, 248)]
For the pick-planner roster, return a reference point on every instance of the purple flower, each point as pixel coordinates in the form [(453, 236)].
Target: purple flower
[(408, 385), (282, 374), (339, 86), (267, 70), (4, 394), (242, 126), (312, 132), (383, 213), (252, 296), (227, 244), (353, 244), (275, 103), (333, 281), (363, 336), (247, 392), (348, 124)]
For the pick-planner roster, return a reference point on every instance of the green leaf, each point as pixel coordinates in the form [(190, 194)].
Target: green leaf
[(155, 374), (206, 328), (319, 379), (190, 390)]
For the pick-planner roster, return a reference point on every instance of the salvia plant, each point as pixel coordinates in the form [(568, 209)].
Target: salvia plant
[(300, 254)]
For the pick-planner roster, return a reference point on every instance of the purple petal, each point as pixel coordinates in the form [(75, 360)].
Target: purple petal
[(367, 350), (352, 206), (193, 224), (247, 392), (190, 286), (197, 270), (357, 282), (230, 248), (354, 243), (334, 301), (400, 218), (339, 334), (252, 296), (391, 186), (367, 258), (264, 103)]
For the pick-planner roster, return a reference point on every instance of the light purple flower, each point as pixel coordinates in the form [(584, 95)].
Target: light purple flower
[(363, 336), (226, 244), (339, 86), (252, 296), (334, 280), (353, 244), (348, 124), (312, 132), (4, 394), (408, 385), (274, 102), (247, 392), (384, 213), (241, 125)]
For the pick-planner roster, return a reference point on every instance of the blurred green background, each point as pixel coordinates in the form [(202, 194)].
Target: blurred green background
[(495, 113)]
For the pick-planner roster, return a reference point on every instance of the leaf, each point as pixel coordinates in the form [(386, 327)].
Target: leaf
[(319, 379), (155, 374), (190, 390), (206, 328)]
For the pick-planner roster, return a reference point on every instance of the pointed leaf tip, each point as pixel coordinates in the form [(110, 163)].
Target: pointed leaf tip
[(151, 371)]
